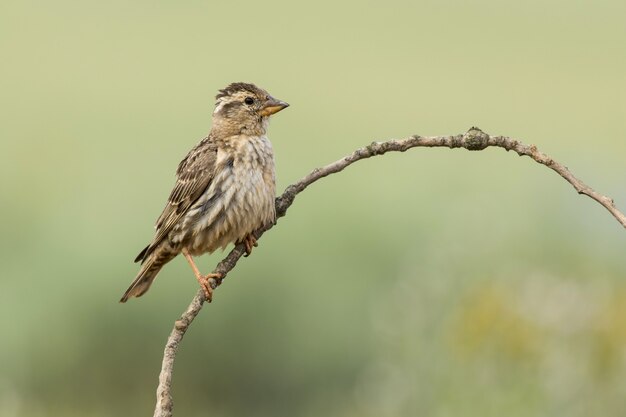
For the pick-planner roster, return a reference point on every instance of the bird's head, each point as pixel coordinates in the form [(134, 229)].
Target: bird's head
[(245, 108)]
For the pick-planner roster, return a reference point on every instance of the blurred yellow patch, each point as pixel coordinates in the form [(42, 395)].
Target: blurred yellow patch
[(489, 323), (609, 335)]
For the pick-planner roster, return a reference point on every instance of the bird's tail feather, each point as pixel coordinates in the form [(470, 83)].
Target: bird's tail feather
[(146, 275)]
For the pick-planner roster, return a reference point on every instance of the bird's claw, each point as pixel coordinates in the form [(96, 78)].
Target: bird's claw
[(205, 284), (208, 291), (250, 242)]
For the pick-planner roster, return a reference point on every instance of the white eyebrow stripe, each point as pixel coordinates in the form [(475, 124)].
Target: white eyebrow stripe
[(219, 106)]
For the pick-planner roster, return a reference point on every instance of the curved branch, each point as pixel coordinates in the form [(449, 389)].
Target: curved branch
[(473, 140)]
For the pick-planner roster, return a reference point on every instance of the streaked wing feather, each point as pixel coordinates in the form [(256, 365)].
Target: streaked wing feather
[(194, 174)]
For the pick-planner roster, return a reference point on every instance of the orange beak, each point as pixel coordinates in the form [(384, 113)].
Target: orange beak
[(272, 106)]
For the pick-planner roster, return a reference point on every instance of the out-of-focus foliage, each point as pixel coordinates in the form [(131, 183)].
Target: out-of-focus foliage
[(431, 283)]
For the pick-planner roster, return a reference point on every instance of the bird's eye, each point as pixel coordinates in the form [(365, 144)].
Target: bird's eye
[(249, 101)]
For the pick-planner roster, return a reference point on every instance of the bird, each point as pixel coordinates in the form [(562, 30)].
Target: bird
[(225, 188)]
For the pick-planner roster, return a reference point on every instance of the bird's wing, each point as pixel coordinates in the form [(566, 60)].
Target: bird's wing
[(194, 174)]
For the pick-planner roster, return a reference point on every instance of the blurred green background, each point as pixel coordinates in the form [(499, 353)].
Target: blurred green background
[(432, 283)]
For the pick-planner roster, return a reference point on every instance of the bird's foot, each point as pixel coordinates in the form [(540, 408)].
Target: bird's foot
[(250, 242), (205, 284)]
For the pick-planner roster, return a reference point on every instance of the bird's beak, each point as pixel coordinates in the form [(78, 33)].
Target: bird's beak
[(272, 106)]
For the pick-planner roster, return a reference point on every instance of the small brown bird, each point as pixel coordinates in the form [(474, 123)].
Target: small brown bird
[(225, 188)]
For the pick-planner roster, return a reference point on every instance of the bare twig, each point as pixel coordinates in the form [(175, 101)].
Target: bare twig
[(473, 140)]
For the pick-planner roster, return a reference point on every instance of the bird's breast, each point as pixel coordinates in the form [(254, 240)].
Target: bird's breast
[(239, 199)]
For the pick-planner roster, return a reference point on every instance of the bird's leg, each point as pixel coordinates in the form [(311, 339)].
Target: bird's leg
[(202, 280), (250, 242)]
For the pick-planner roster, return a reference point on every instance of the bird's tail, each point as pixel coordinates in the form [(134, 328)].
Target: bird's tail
[(148, 272)]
